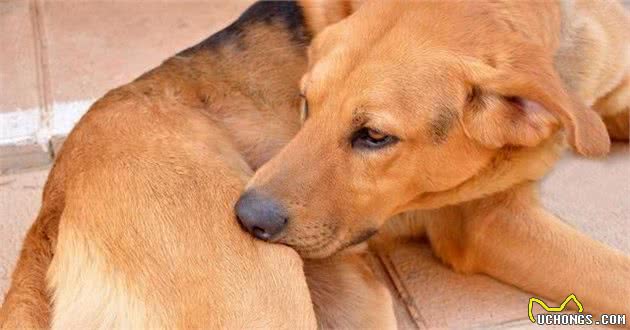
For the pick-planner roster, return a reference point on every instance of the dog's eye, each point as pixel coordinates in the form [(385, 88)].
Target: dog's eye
[(367, 138), (303, 108)]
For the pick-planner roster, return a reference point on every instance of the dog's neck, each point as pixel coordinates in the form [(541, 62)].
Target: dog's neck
[(246, 77), (510, 167)]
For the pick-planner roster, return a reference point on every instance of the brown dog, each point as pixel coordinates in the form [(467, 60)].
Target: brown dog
[(454, 107), (136, 229)]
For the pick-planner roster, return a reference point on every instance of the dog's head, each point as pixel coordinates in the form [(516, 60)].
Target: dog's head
[(397, 107)]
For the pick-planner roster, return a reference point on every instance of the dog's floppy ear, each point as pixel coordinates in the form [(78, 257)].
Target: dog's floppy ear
[(523, 101), (321, 13)]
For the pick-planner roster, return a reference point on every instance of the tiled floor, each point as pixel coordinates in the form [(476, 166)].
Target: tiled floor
[(18, 69), (20, 198)]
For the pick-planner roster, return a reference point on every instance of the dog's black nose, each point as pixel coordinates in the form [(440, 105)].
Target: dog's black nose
[(261, 216)]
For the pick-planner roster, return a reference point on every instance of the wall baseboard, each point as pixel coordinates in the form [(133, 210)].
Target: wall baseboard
[(29, 139)]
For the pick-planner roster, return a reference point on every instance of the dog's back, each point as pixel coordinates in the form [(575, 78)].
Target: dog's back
[(136, 227)]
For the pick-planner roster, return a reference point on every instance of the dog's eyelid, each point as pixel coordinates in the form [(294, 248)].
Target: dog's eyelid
[(377, 121), (361, 118), (375, 130), (380, 126), (382, 132), (364, 139)]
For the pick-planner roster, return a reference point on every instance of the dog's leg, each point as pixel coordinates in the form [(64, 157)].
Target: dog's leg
[(27, 305), (346, 294), (511, 237)]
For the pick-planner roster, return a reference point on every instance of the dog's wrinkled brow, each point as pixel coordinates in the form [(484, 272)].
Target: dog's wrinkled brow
[(359, 118), (441, 123)]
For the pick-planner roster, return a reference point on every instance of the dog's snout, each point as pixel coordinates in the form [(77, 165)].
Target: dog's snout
[(261, 216)]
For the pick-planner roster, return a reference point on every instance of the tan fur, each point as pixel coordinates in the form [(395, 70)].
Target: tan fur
[(615, 107), (347, 294), (515, 79), (321, 13), (136, 228)]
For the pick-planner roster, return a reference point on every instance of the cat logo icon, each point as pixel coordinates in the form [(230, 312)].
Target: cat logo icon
[(552, 309)]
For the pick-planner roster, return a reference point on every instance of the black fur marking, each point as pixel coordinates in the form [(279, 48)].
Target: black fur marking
[(476, 100), (441, 125), (285, 13), (474, 94)]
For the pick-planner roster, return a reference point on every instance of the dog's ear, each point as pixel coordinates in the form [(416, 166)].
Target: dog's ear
[(319, 14), (523, 101)]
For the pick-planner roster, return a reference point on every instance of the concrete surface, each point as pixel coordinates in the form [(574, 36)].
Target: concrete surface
[(592, 195), (20, 199)]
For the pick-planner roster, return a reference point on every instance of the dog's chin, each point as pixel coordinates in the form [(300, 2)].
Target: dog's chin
[(334, 245), (319, 252)]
